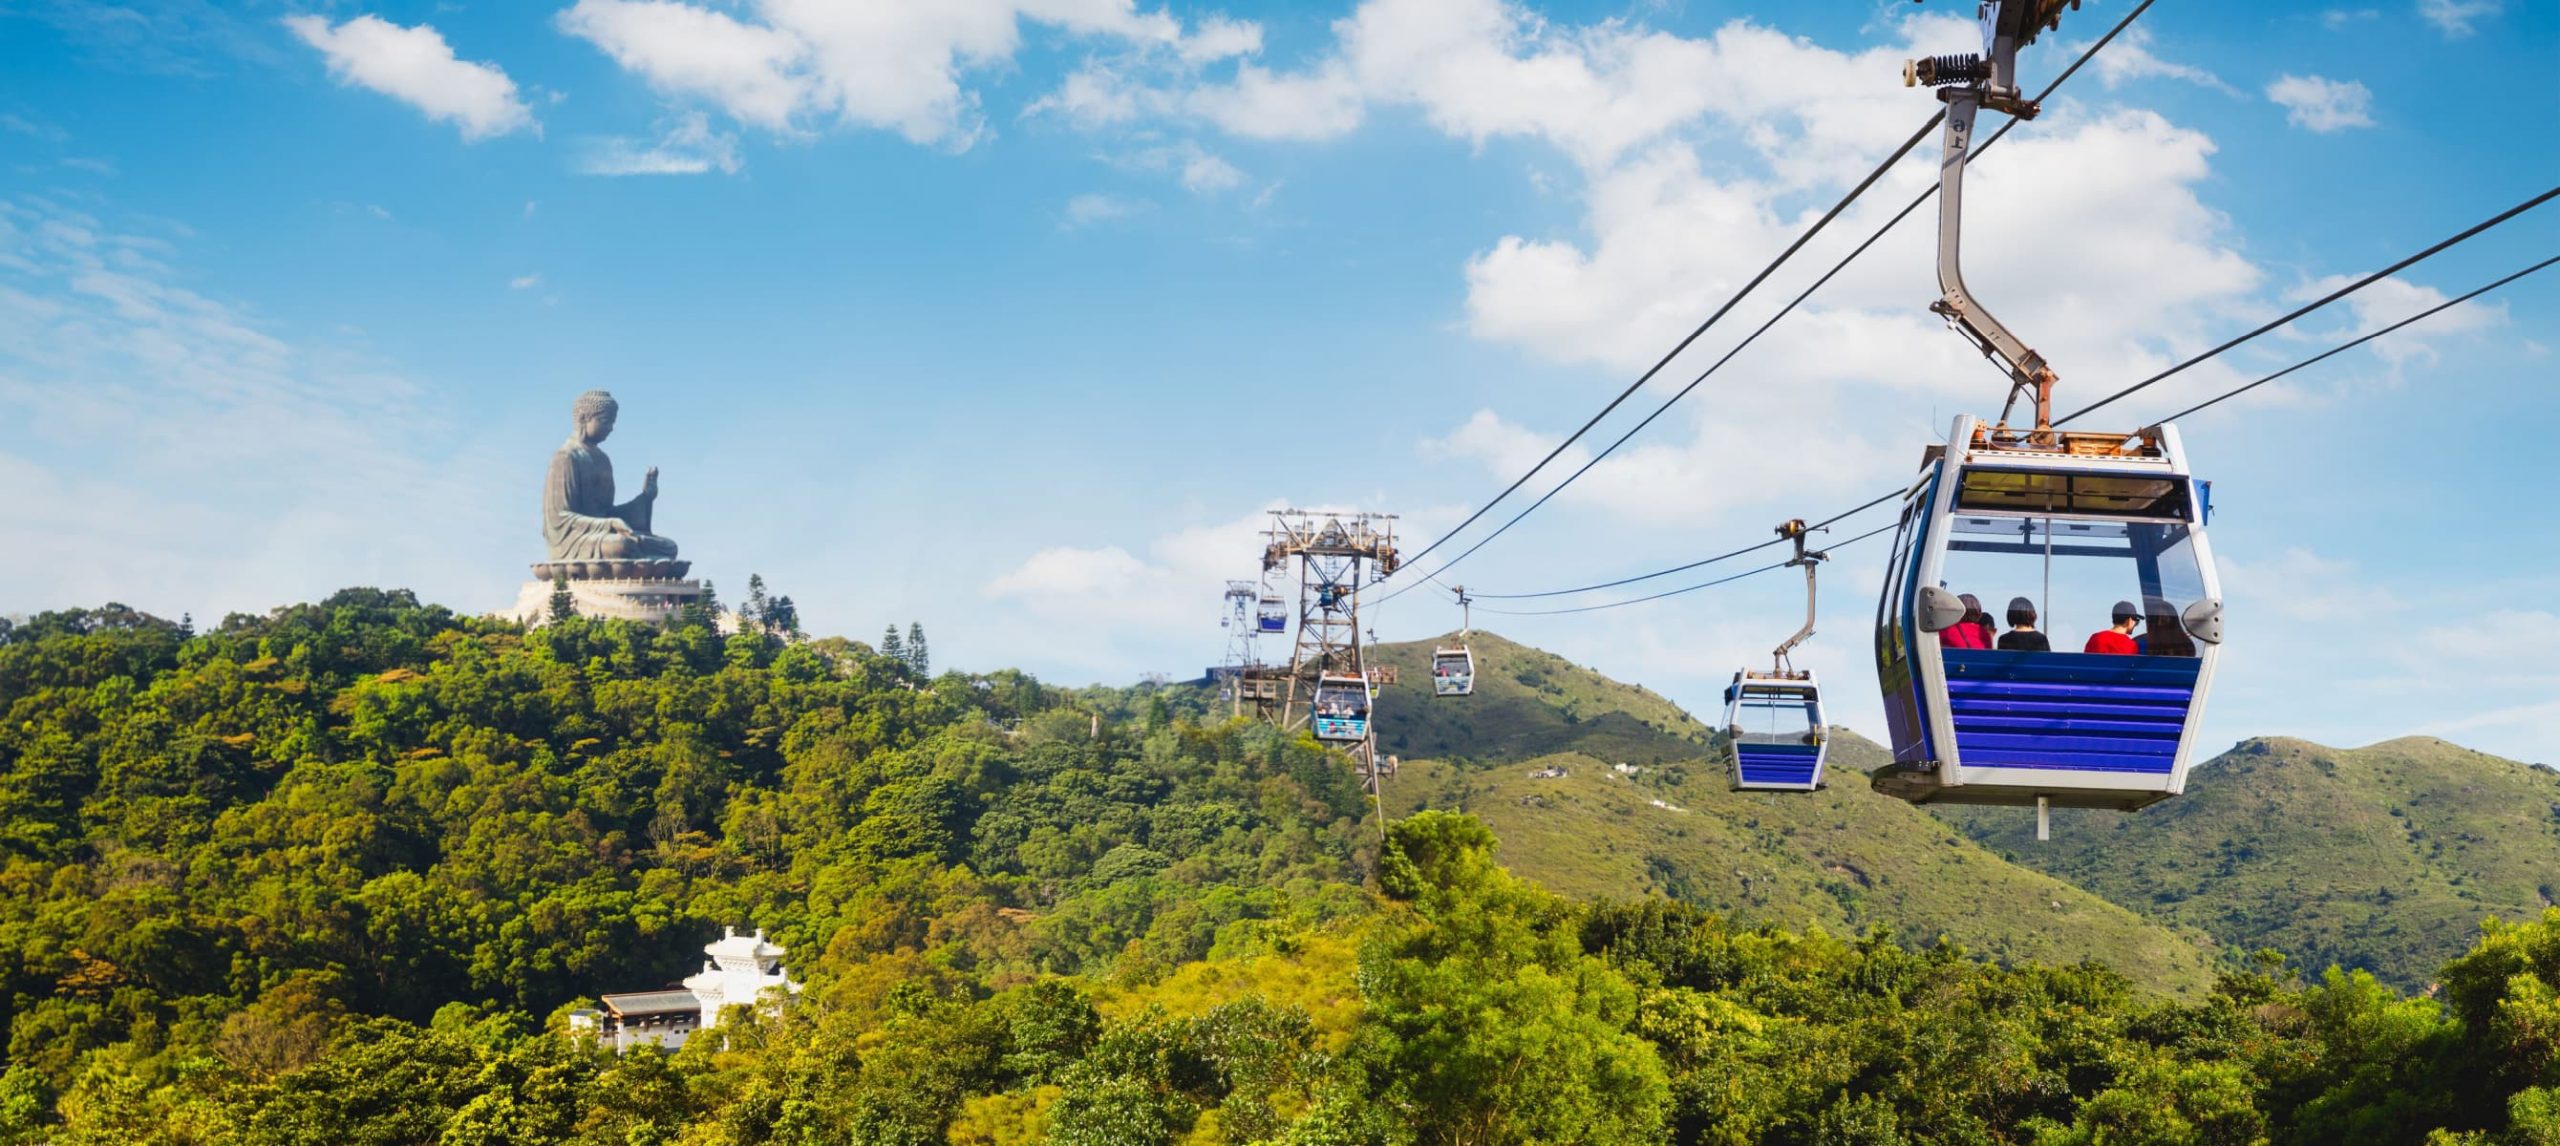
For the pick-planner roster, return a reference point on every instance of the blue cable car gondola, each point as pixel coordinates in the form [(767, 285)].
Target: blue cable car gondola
[(1271, 615), (1340, 714), (2081, 532), (2096, 533), (1775, 733), (1453, 669)]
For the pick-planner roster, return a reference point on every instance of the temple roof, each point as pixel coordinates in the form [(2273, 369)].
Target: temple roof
[(636, 1003)]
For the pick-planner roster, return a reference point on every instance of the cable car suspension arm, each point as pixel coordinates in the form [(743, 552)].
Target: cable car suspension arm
[(1966, 84), (1796, 531)]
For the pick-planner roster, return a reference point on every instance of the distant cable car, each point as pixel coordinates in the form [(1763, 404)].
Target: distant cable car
[(1272, 615), (1778, 733), (1775, 733), (2091, 534), (1453, 670), (1341, 711)]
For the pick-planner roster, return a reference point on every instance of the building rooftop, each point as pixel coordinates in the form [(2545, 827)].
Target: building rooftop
[(651, 1003)]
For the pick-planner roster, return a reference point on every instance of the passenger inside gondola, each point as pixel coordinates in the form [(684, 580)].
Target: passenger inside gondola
[(2117, 638), (2163, 633), (1974, 631), (2022, 636)]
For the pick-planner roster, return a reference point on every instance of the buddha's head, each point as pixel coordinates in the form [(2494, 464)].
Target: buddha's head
[(594, 413)]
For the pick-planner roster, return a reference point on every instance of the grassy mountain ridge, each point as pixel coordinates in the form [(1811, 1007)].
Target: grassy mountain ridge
[(1843, 859), (2384, 857)]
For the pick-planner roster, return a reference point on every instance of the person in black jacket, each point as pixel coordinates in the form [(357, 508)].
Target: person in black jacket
[(2022, 636)]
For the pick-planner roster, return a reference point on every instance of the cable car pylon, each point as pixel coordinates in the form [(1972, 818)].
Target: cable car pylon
[(2115, 520), (1332, 687), (1776, 736)]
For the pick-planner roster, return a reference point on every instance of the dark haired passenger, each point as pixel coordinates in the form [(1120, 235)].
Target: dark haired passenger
[(1973, 632), (2164, 633), (2117, 639), (2022, 636)]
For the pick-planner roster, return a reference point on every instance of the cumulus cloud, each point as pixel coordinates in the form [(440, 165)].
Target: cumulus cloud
[(2457, 18), (1106, 602), (688, 146), (1096, 208), (797, 65), (417, 67), (2130, 58), (2321, 105)]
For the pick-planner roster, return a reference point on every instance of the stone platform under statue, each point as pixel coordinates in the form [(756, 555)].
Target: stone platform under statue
[(606, 555), (629, 591)]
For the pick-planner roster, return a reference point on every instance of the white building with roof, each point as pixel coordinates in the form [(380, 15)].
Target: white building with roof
[(742, 969)]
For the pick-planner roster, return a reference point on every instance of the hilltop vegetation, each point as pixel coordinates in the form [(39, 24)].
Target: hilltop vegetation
[(331, 876), (1844, 859), (2384, 858)]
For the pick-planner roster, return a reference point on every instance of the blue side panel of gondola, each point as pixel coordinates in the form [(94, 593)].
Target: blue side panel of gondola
[(1777, 765), (2070, 711), (1275, 624), (1341, 728)]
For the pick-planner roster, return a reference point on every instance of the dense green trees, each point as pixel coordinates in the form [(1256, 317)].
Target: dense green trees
[(332, 875)]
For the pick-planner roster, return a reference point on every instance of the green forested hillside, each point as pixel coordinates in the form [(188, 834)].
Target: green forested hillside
[(1527, 703), (2384, 858), (1844, 859), (333, 875)]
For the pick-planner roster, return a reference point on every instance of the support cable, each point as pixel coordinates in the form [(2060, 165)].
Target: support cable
[(2333, 296), (1688, 589), (1888, 495), (2343, 347), (1694, 335), (2225, 396), (1917, 201)]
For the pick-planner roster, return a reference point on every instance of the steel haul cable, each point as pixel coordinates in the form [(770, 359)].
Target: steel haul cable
[(1677, 592), (1701, 329), (2225, 396), (2333, 296), (2086, 55)]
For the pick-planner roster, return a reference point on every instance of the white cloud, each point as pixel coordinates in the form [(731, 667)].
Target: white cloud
[(1218, 38), (2393, 300), (2339, 19), (1322, 104), (2455, 18), (1208, 173), (174, 451), (1104, 602), (688, 146), (524, 282), (1090, 209), (2130, 58), (2320, 105), (416, 67), (792, 65), (748, 70)]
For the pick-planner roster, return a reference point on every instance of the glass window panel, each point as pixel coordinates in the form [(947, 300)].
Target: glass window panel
[(2074, 572), (1766, 719)]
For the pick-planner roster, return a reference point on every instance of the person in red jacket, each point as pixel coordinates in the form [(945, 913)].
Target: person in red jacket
[(1973, 632), (2117, 639)]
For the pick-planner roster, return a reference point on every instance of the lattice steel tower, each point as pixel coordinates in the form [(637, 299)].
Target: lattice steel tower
[(1336, 554)]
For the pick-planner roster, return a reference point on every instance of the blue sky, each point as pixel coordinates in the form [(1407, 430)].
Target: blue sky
[(1011, 315)]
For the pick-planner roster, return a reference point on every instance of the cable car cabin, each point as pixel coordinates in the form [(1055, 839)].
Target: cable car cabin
[(1453, 671), (1341, 711), (2096, 543), (1778, 735), (1271, 616)]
